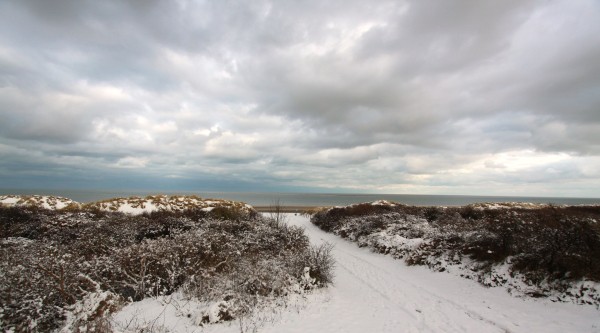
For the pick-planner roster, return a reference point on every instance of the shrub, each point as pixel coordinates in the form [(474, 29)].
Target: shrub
[(21, 221), (227, 213), (432, 214), (57, 263), (471, 213), (549, 244), (321, 263)]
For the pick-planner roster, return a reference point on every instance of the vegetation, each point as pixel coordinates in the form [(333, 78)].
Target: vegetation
[(75, 267), (547, 247)]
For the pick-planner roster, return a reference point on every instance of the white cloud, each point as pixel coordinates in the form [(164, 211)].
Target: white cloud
[(393, 96), (131, 162)]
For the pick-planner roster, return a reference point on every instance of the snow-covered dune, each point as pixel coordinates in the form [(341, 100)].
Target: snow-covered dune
[(41, 201), (503, 205), (130, 205), (138, 205)]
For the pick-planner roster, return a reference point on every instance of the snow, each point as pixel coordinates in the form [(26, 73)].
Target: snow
[(375, 293), (178, 313), (137, 205), (174, 313), (87, 308), (9, 200), (382, 203), (384, 239), (504, 205), (129, 208), (42, 201)]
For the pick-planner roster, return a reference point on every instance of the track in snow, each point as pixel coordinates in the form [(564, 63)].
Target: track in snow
[(375, 293)]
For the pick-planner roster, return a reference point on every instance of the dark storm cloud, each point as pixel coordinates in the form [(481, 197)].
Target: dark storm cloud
[(399, 96)]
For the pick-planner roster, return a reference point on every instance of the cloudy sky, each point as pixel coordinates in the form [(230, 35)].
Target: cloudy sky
[(440, 97)]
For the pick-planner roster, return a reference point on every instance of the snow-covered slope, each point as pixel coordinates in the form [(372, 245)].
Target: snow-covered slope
[(131, 205), (138, 205), (41, 201), (375, 293), (500, 205)]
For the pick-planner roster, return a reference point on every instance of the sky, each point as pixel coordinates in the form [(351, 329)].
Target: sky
[(410, 97)]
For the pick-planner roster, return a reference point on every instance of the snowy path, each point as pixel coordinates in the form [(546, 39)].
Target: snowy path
[(374, 293)]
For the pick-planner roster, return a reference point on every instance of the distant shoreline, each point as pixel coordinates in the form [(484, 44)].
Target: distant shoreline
[(302, 200)]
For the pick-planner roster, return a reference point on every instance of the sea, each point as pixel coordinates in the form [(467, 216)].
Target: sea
[(306, 199)]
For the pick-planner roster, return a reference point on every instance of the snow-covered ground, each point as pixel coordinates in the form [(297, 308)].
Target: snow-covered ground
[(42, 201), (375, 293), (131, 205), (137, 205)]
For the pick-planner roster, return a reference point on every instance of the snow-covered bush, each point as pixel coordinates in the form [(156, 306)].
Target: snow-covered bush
[(538, 250), (71, 269), (318, 263)]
